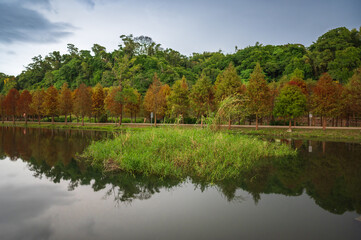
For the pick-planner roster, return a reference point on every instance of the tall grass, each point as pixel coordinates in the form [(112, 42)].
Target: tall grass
[(173, 152)]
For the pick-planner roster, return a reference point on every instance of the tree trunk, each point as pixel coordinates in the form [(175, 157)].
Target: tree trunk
[(52, 119), (202, 121), (26, 119), (155, 119), (229, 124), (348, 121), (290, 125), (82, 121), (324, 123), (256, 122), (66, 119), (294, 122), (121, 115), (39, 119), (308, 119)]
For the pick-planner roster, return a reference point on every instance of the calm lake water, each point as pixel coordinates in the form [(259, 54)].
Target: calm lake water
[(45, 194)]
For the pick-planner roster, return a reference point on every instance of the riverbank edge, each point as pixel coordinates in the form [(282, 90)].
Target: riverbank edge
[(306, 133)]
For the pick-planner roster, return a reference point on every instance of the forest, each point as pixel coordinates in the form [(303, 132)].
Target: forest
[(256, 84)]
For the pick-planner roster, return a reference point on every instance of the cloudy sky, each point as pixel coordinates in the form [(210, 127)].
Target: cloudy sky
[(32, 27)]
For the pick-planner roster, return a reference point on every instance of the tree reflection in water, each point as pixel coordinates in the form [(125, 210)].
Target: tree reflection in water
[(329, 172)]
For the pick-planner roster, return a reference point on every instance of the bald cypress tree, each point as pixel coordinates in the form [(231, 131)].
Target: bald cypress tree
[(258, 94), (228, 83), (51, 102), (65, 102), (178, 101)]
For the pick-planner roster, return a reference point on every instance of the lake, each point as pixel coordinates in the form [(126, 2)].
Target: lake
[(46, 194)]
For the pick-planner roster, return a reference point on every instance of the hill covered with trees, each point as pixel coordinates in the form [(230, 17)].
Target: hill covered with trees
[(172, 84)]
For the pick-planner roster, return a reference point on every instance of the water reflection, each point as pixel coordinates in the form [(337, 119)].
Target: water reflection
[(328, 172)]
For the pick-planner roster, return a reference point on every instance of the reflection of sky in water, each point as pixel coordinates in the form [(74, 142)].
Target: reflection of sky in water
[(32, 208), (37, 208)]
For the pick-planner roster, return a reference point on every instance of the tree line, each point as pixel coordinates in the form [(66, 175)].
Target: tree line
[(141, 77), (254, 101)]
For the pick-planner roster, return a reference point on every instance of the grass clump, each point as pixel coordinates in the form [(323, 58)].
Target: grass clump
[(169, 152)]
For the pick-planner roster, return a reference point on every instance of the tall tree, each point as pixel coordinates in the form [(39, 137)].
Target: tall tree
[(178, 100), (10, 103), (23, 104), (290, 104), (354, 92), (112, 105), (37, 104), (51, 101), (65, 102), (82, 102), (228, 83), (325, 98), (2, 109), (154, 101), (202, 97), (258, 94), (98, 101), (133, 104)]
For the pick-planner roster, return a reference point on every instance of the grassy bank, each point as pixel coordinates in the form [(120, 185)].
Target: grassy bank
[(309, 134), (174, 152)]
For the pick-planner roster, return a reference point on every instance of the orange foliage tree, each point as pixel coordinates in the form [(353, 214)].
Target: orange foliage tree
[(154, 100), (23, 104), (37, 104), (65, 102), (51, 102), (113, 106), (2, 109), (98, 101), (10, 103), (325, 98), (82, 101)]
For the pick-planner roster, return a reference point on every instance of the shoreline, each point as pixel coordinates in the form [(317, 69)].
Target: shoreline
[(299, 132)]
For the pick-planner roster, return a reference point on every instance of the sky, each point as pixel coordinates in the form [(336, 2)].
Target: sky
[(30, 28)]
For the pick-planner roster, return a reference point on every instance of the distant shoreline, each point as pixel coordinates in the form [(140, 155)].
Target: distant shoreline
[(301, 132)]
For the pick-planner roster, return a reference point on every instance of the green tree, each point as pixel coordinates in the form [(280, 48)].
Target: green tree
[(345, 62), (178, 101), (227, 84), (290, 104), (202, 97), (258, 94), (133, 104)]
